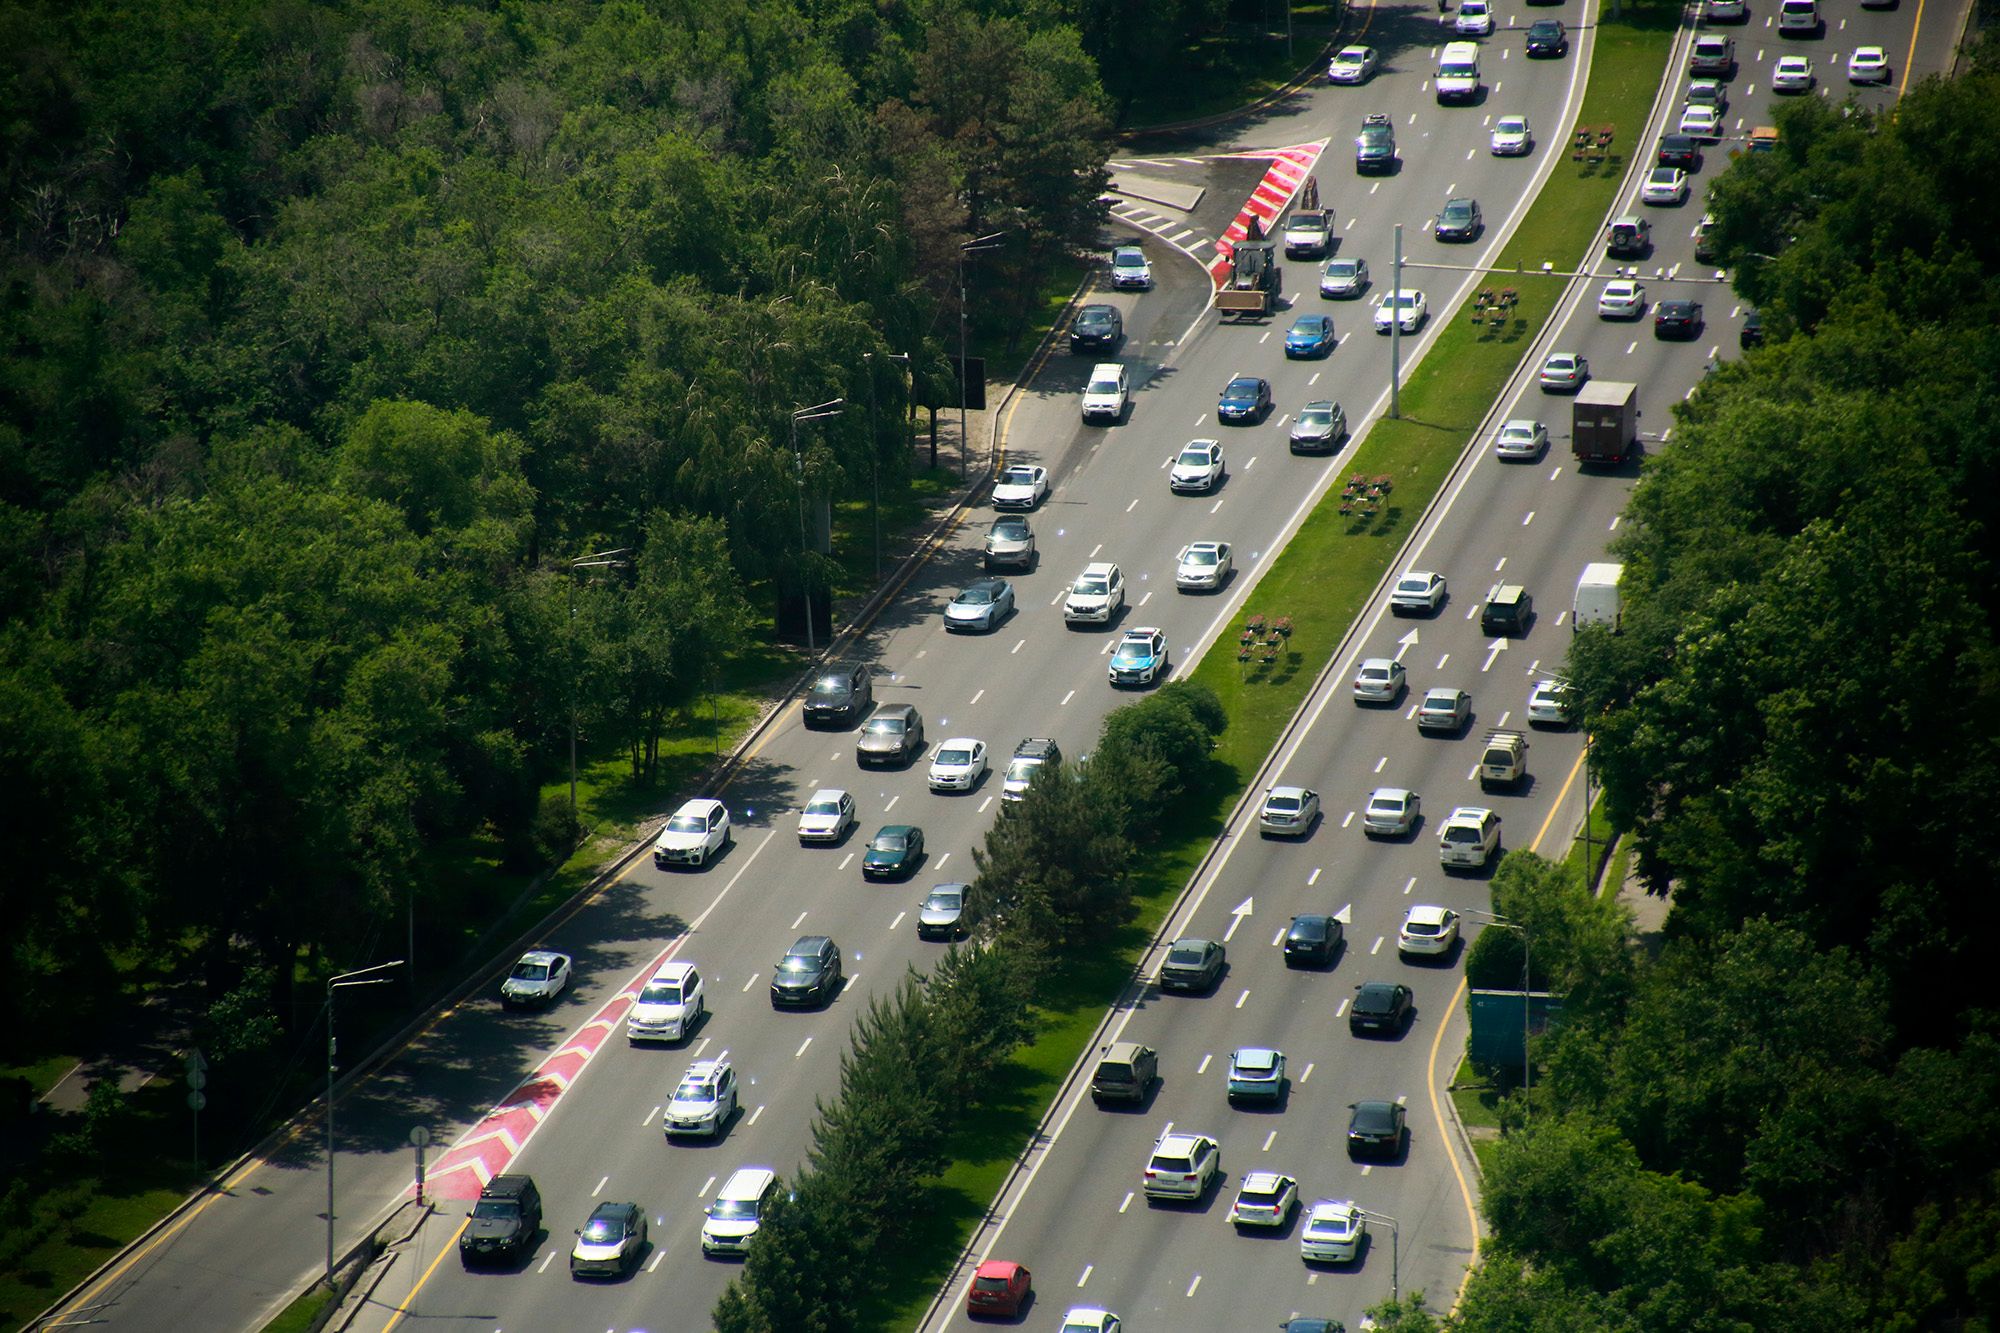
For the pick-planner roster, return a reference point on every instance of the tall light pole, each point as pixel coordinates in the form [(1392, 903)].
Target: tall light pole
[(1504, 923), (1395, 1252), (875, 453), (1396, 331), (817, 412), (365, 977), (612, 559), (973, 247)]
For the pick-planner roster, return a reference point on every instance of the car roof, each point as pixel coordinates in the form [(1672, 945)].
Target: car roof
[(1469, 814), (1206, 546), (1099, 568), (701, 805), (1266, 1180), (1293, 792), (1141, 632), (1328, 1206), (809, 944), (508, 1186), (1032, 746), (828, 794), (1392, 793), (895, 830), (997, 1268), (674, 970), (967, 741), (1183, 1141), (896, 710), (1254, 1057), (547, 957), (1192, 942), (747, 1180), (1427, 914)]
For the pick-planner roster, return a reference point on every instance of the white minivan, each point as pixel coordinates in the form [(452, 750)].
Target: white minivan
[(1798, 16), (1458, 72)]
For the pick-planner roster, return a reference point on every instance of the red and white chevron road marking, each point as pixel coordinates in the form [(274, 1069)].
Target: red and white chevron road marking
[(1288, 171)]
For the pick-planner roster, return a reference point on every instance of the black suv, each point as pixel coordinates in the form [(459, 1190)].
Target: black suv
[(842, 694), (808, 974), (1508, 610), (1096, 326), (503, 1224)]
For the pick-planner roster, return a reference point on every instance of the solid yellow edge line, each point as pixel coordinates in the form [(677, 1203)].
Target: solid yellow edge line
[(403, 1306), (1437, 1043)]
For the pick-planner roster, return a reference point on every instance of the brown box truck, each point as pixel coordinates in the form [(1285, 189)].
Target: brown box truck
[(1604, 422)]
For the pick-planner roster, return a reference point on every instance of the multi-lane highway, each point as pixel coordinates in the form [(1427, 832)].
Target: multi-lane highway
[(248, 1247), (1076, 1214)]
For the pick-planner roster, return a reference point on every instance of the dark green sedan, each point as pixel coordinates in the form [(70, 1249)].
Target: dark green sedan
[(893, 853)]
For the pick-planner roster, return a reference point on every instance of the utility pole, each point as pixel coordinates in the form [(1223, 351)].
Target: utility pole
[(817, 412), (612, 559), (364, 977), (973, 247), (1396, 333)]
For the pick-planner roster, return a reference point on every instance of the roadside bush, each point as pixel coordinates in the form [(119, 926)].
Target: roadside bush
[(557, 828)]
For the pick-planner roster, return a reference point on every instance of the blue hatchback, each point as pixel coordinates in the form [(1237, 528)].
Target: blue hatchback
[(1310, 335)]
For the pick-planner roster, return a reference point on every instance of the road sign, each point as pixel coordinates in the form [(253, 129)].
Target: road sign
[(197, 1100), (420, 1137), (197, 1078)]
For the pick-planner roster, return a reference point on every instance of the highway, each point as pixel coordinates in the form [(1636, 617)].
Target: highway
[(247, 1249), (1076, 1216)]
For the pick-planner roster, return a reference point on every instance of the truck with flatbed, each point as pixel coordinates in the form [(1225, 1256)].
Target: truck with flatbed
[(1251, 288)]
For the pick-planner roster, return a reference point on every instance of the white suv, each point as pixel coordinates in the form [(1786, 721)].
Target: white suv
[(1470, 838), (1182, 1166), (703, 1100), (1097, 595), (669, 1006), (1105, 394)]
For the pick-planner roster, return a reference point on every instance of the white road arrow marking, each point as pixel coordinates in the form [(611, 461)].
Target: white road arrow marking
[(1498, 647), (1404, 644), (1242, 910)]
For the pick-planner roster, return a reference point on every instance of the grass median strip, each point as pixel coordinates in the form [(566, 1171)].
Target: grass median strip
[(1320, 581)]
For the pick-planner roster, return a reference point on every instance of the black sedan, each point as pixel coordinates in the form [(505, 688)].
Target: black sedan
[(894, 852), (1313, 940), (1677, 319), (1380, 1006), (1192, 965), (1376, 1129), (1245, 398), (1096, 328), (1679, 150), (1547, 38)]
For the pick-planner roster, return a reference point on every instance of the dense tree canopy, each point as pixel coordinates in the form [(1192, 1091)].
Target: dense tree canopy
[(1787, 1120), (336, 331)]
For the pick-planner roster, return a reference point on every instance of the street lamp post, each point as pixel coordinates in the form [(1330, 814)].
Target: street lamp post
[(973, 247), (1395, 1252), (817, 412), (365, 977), (1396, 331), (612, 559), (1495, 919)]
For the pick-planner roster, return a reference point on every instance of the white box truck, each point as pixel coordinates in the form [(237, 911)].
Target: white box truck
[(1597, 597)]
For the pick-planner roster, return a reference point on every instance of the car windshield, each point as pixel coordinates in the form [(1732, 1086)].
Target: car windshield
[(1092, 315), (1256, 1062), (1242, 389), (531, 972), (1316, 416), (598, 1230), (661, 992), (1414, 585), (954, 756), (827, 806), (1386, 804), (1374, 999), (831, 687), (1374, 673), (886, 726), (1457, 210), (1093, 586), (1012, 528), (1128, 258), (1201, 556), (1348, 58), (694, 1090), (1019, 770), (1107, 384), (1374, 1118), (1458, 68), (1133, 650), (1017, 476), (1195, 457), (889, 842), (1403, 300), (496, 1209), (734, 1210), (795, 962), (1424, 928), (1513, 125), (1283, 803), (975, 597), (945, 900), (687, 824)]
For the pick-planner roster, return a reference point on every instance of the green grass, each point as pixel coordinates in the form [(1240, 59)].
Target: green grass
[(1602, 839), (1233, 66), (1477, 1097), (299, 1315), (42, 1073)]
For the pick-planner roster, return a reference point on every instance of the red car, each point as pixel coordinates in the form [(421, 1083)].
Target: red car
[(1000, 1287)]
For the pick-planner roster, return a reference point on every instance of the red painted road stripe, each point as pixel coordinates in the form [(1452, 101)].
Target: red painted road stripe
[(1282, 179)]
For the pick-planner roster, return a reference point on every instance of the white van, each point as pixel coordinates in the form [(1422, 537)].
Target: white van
[(1458, 71), (1801, 16), (739, 1209)]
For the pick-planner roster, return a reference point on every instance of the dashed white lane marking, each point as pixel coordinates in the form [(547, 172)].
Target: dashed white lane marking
[(1192, 1285), (892, 803), (846, 861), (1268, 1139), (753, 979), (1378, 946), (1241, 998), (753, 1115), (1308, 1073), (1121, 1208), (1313, 878), (1202, 1068), (802, 916), (897, 922), (600, 1187), (802, 1048), (1084, 1276), (1067, 697)]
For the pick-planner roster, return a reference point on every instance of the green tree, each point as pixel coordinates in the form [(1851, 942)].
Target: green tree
[(1055, 873), (1149, 752)]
